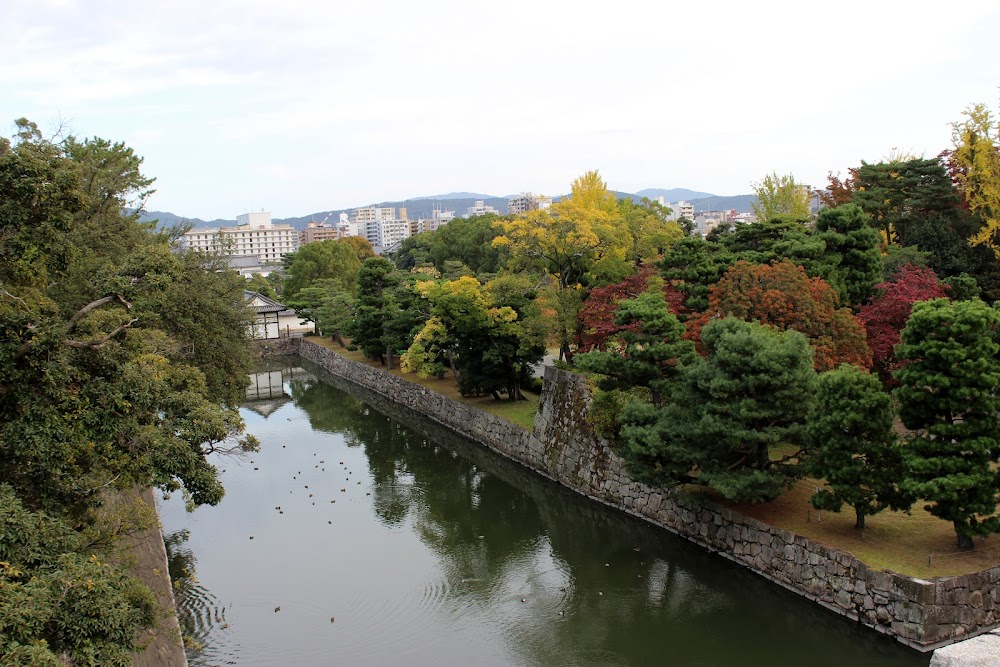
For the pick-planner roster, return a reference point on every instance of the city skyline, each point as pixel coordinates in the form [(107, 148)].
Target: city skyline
[(242, 106)]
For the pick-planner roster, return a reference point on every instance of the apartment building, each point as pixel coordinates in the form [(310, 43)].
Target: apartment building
[(480, 208)]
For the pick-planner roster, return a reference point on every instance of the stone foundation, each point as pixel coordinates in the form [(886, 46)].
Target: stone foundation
[(563, 447)]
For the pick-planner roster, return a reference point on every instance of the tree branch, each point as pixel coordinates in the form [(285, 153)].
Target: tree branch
[(100, 342), (80, 314)]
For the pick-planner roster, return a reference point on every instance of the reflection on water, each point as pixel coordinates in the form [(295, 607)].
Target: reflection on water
[(357, 538)]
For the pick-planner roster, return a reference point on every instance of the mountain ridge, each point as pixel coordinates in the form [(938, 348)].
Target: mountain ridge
[(422, 207)]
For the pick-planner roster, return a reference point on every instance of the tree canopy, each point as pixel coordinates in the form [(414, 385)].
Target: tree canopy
[(122, 363)]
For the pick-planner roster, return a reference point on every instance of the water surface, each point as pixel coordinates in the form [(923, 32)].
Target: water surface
[(355, 538)]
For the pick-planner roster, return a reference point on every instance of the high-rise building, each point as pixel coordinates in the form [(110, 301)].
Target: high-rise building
[(527, 201), (254, 234)]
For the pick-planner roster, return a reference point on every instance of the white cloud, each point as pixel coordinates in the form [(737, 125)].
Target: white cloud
[(368, 101)]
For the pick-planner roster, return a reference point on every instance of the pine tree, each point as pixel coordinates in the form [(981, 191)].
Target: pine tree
[(750, 393), (852, 245), (852, 446), (948, 396)]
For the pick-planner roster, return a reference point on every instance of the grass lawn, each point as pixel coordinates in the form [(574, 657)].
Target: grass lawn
[(891, 540), (521, 413)]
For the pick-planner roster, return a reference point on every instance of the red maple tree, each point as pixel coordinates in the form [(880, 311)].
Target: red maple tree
[(886, 313), (781, 295), (597, 317)]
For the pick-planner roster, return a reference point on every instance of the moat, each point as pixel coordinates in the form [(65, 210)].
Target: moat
[(353, 538)]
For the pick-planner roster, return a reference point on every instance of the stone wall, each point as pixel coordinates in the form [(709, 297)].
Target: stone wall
[(562, 447)]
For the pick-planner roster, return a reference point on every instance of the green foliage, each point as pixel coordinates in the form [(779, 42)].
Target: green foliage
[(948, 396), (693, 265), (375, 278), (56, 598), (750, 393), (121, 364), (780, 195), (258, 283), (644, 358), (774, 239), (963, 287), (327, 304), (852, 446), (897, 257), (469, 241), (896, 193), (330, 259), (492, 336), (851, 249)]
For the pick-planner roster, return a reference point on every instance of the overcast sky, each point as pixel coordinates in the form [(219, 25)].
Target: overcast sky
[(299, 107)]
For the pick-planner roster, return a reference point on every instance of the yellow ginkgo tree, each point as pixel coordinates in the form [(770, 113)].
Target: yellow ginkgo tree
[(975, 167)]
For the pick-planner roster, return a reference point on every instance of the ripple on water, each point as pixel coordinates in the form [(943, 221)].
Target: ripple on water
[(408, 616), (203, 619)]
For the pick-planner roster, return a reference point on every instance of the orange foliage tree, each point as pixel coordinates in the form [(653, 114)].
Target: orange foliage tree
[(781, 295)]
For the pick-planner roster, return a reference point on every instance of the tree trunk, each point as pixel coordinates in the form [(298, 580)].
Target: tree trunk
[(964, 540), (859, 512), (388, 355), (336, 337)]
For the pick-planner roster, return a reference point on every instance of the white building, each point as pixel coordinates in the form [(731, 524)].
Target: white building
[(363, 216), (527, 201), (254, 234), (480, 208), (440, 217), (379, 225), (681, 209)]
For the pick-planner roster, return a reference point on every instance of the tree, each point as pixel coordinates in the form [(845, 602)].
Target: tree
[(750, 393), (648, 348), (579, 240), (897, 193), (838, 192), (258, 283), (974, 164), (650, 228), (121, 364), (327, 304), (852, 250), (376, 278), (780, 195), (777, 238), (330, 259), (481, 334), (885, 315), (783, 296), (414, 251), (597, 317), (568, 239), (469, 241), (852, 446), (362, 246), (692, 266), (948, 395), (58, 603)]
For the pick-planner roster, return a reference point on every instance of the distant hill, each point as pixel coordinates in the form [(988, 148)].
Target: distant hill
[(459, 202), (740, 202), (674, 194), (167, 219), (458, 195)]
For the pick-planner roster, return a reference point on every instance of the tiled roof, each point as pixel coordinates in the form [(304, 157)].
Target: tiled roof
[(262, 304)]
